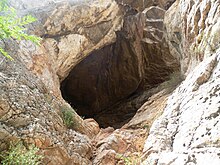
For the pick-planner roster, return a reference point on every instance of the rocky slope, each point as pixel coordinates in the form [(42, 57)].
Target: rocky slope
[(120, 62)]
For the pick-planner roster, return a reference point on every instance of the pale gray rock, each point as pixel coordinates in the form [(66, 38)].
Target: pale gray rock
[(189, 125), (188, 130)]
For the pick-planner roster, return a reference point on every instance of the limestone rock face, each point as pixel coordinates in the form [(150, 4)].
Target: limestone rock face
[(105, 40), (160, 62), (194, 35), (188, 130)]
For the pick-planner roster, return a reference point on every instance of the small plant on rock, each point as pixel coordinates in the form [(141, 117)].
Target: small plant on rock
[(12, 26), (128, 160), (67, 116), (18, 154)]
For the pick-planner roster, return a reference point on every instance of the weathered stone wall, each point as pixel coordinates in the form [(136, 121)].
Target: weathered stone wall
[(188, 130), (193, 35), (28, 112)]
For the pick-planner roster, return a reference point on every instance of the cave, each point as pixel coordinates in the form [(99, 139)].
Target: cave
[(109, 83), (103, 84), (102, 79)]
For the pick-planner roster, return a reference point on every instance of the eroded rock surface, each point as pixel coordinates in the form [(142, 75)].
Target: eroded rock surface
[(141, 5), (193, 35), (188, 130), (30, 113)]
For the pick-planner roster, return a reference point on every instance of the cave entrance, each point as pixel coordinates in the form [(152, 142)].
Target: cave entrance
[(101, 80), (107, 83)]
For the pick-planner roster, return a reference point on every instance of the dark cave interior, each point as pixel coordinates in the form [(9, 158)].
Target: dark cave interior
[(103, 85)]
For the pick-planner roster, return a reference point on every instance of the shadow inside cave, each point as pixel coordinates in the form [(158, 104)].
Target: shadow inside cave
[(107, 85)]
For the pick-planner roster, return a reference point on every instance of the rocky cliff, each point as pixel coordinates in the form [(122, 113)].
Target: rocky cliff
[(146, 71), (187, 131)]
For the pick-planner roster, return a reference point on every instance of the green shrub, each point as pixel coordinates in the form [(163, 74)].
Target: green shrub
[(67, 116), (127, 160), (18, 154), (12, 26)]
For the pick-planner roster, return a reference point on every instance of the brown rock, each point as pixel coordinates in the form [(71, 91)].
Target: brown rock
[(92, 127), (106, 157), (140, 5), (101, 69)]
